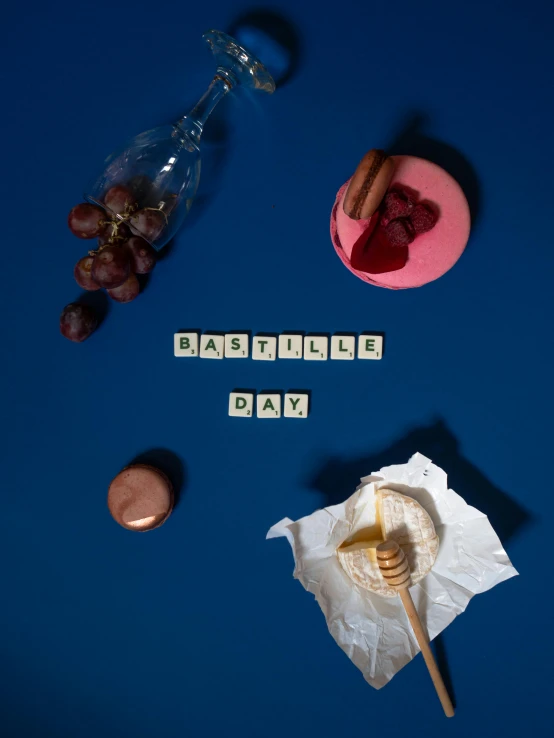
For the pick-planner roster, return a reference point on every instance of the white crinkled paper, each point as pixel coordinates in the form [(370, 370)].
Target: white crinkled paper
[(374, 631)]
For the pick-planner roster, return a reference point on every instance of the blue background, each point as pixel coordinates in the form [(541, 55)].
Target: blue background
[(198, 629)]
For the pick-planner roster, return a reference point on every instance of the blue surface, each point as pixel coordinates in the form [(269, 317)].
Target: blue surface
[(198, 629)]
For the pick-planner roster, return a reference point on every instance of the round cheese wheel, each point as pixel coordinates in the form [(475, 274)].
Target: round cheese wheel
[(401, 519)]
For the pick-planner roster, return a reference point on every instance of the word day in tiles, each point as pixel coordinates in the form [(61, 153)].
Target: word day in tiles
[(269, 405), (285, 346)]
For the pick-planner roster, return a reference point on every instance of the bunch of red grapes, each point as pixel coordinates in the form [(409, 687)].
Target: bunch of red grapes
[(120, 256)]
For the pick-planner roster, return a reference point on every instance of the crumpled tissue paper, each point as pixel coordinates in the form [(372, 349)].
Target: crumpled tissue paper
[(374, 631)]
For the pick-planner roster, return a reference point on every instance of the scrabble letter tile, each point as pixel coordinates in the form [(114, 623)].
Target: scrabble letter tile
[(185, 344), (343, 347), (211, 346), (316, 348), (241, 404), (370, 347), (290, 346), (296, 405), (236, 345), (264, 348), (268, 406)]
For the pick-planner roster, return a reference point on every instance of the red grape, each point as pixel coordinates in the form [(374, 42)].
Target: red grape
[(127, 291), (111, 267), (85, 220), (140, 185), (118, 199), (168, 202), (143, 256), (77, 322), (147, 223), (115, 231), (82, 274)]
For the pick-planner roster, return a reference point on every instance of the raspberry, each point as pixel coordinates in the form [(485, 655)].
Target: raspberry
[(397, 204), (399, 232), (423, 218)]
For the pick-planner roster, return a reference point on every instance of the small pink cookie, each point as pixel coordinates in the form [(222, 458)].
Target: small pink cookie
[(433, 253)]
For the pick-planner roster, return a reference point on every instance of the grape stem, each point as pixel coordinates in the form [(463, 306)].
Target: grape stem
[(116, 222), (160, 210)]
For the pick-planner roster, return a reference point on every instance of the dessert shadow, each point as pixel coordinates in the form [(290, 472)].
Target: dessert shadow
[(413, 141), (170, 464)]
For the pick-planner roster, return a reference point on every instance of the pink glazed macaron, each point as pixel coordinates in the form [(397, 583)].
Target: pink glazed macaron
[(431, 254)]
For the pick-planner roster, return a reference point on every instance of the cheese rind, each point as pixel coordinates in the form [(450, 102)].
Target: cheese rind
[(401, 519), (359, 560)]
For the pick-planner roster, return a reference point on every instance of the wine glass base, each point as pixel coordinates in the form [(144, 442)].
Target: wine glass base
[(237, 62)]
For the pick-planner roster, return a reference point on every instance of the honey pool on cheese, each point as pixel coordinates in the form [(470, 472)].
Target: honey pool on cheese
[(397, 517)]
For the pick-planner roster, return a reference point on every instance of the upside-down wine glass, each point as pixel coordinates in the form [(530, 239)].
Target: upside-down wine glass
[(156, 174)]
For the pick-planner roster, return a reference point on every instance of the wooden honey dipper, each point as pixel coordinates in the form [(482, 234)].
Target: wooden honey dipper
[(395, 570)]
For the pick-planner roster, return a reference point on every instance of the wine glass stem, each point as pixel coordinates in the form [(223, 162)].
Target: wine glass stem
[(194, 122)]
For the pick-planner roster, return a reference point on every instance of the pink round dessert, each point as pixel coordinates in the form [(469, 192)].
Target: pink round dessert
[(431, 254)]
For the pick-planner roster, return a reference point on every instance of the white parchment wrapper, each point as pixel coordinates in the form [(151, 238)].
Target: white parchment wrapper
[(374, 631)]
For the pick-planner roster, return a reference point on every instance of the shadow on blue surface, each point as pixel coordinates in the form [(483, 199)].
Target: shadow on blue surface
[(337, 478), (172, 466), (102, 304), (165, 252), (273, 38), (413, 141), (98, 301)]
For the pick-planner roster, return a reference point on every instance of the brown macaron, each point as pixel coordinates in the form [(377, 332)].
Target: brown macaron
[(368, 185), (140, 498)]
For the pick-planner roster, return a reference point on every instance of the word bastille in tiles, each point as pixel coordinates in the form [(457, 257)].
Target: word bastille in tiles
[(262, 347)]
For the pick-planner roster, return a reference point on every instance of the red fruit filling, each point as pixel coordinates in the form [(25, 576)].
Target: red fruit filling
[(423, 218), (397, 204), (376, 255), (399, 232), (401, 220)]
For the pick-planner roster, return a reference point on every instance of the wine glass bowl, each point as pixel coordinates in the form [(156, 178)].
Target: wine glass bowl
[(161, 169), (151, 182)]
